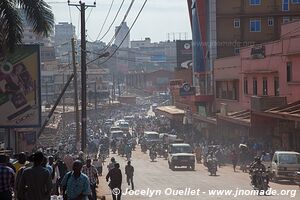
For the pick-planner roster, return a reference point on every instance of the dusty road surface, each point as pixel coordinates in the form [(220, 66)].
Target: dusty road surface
[(155, 181)]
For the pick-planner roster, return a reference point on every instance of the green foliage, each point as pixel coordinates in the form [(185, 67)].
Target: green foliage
[(37, 12)]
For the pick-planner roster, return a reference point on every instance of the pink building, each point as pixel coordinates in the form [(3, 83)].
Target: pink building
[(268, 69)]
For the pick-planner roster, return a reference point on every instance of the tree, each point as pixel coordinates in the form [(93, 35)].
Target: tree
[(37, 12)]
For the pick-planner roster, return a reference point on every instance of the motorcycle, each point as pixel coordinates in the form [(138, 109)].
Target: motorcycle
[(133, 144), (121, 150), (165, 154), (261, 181), (152, 155), (114, 149), (212, 165), (128, 156), (160, 151), (144, 148)]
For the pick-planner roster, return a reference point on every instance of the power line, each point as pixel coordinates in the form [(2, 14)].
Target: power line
[(112, 21), (87, 19), (118, 30), (109, 10), (111, 55)]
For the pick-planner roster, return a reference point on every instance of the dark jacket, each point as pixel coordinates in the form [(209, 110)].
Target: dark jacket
[(115, 176), (129, 170)]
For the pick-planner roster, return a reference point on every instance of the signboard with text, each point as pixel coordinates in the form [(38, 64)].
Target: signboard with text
[(20, 104)]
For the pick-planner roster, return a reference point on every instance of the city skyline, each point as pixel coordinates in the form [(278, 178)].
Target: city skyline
[(156, 15)]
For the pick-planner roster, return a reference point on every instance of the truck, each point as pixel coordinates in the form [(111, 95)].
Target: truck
[(181, 154)]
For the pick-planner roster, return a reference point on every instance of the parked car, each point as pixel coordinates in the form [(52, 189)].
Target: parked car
[(181, 154), (284, 165)]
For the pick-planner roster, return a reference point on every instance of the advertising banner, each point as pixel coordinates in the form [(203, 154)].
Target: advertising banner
[(184, 53), (20, 104)]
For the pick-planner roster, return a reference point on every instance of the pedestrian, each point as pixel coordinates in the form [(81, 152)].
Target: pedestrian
[(62, 168), (234, 159), (22, 161), (68, 160), (91, 171), (112, 163), (129, 170), (115, 176), (198, 151), (98, 163), (76, 185), (7, 179), (35, 182)]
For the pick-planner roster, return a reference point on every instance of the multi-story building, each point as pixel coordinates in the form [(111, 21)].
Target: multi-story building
[(240, 23), (141, 43), (64, 31), (257, 91), (53, 81), (122, 32)]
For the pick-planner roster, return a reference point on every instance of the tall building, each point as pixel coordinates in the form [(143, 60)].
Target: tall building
[(63, 34), (120, 33)]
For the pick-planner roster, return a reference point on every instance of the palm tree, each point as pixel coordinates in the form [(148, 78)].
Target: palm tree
[(38, 13)]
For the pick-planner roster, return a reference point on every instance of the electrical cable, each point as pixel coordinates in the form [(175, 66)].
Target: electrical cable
[(109, 10), (118, 30), (111, 55), (112, 21)]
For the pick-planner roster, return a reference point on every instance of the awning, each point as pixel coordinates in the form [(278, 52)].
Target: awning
[(240, 117), (170, 112), (211, 120), (289, 112)]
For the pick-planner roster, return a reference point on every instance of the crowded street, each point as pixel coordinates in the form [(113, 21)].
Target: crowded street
[(149, 99), (157, 176)]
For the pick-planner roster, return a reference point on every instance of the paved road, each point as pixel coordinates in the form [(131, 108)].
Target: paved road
[(159, 180)]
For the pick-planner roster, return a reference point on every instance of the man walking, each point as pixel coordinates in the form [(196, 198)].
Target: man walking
[(76, 185), (7, 178), (115, 176), (129, 169), (35, 182), (91, 171)]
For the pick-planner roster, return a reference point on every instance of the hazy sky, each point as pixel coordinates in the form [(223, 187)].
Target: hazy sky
[(158, 18)]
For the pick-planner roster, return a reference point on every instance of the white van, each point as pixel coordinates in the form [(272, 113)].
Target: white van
[(285, 164)]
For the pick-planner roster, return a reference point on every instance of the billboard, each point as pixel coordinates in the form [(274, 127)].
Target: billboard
[(20, 104), (184, 53)]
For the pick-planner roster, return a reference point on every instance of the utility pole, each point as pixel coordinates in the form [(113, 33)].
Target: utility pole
[(82, 7), (63, 116), (75, 92), (96, 93)]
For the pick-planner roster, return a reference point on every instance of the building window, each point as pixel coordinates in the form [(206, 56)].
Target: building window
[(295, 1), (227, 89), (245, 86), (254, 2), (285, 20), (254, 86), (265, 86), (236, 23), (285, 5), (236, 51), (289, 71), (276, 86), (270, 21), (255, 25)]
